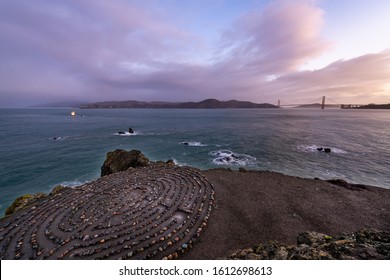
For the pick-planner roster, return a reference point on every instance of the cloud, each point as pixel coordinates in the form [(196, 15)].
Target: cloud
[(277, 39), (361, 79), (113, 50), (47, 46)]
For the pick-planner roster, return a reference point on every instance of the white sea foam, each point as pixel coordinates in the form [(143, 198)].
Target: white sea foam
[(193, 143), (314, 148), (72, 184), (126, 133), (176, 162), (227, 157), (58, 138)]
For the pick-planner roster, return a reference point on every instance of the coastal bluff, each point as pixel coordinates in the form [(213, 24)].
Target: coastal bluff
[(141, 209)]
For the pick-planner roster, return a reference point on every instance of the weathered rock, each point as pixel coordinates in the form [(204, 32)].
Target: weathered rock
[(367, 244), (121, 160), (327, 150), (131, 130), (312, 238), (170, 162)]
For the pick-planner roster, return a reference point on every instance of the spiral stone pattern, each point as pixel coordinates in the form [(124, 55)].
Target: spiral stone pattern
[(155, 212)]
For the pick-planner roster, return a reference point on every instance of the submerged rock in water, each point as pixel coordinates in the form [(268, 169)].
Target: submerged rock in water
[(365, 244), (121, 160)]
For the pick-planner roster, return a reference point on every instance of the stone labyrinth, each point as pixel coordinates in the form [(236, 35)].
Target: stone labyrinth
[(147, 213)]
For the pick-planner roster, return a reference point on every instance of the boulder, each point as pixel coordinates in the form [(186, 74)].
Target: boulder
[(327, 150), (121, 160), (131, 130), (312, 238)]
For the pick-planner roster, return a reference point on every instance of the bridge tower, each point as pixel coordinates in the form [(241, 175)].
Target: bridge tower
[(323, 103)]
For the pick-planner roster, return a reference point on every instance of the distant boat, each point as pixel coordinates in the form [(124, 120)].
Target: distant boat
[(73, 114)]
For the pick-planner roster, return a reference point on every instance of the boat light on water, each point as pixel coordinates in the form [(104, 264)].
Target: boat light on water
[(73, 113)]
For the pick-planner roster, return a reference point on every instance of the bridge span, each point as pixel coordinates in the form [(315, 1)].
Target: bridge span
[(322, 103)]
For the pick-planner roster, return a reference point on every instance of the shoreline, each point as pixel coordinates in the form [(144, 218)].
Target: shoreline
[(248, 207)]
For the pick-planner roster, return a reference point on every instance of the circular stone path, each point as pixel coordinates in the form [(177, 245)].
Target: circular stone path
[(148, 213)]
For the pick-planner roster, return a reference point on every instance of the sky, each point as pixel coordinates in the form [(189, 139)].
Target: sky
[(176, 50)]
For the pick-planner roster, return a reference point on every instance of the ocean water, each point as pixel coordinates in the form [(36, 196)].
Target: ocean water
[(40, 148)]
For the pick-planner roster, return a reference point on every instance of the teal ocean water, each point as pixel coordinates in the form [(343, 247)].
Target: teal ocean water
[(40, 148)]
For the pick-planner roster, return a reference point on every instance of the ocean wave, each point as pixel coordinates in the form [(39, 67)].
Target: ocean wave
[(176, 162), (314, 148), (192, 143), (58, 138), (227, 157), (126, 133), (72, 184)]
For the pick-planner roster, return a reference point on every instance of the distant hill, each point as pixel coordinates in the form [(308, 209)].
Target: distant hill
[(64, 104), (369, 106), (317, 105), (205, 104)]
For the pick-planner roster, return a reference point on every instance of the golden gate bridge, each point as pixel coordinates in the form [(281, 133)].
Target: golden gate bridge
[(321, 103)]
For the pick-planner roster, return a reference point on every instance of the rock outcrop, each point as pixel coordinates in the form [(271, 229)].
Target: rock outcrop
[(121, 160), (365, 244), (28, 200), (22, 202)]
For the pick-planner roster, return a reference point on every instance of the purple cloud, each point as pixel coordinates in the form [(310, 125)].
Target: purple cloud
[(113, 50)]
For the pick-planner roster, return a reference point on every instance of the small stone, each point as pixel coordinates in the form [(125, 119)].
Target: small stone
[(86, 237)]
